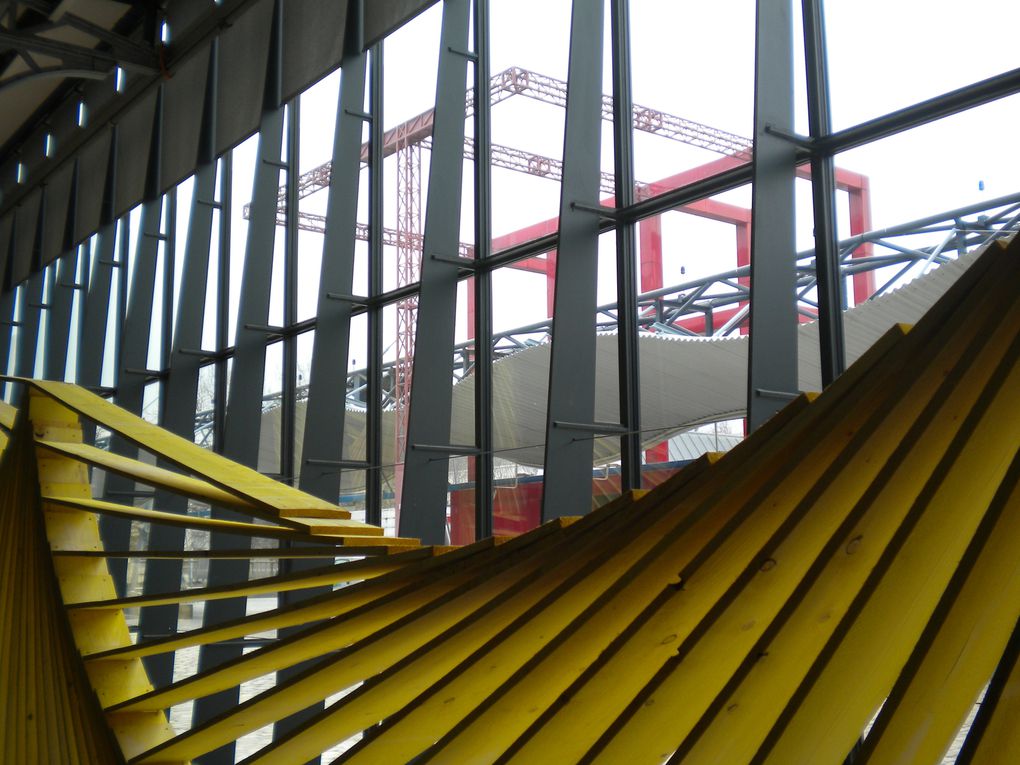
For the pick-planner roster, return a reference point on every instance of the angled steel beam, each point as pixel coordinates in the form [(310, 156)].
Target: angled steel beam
[(568, 452), (324, 415), (773, 313), (58, 327), (180, 391), (134, 339), (426, 475), (32, 300), (244, 398)]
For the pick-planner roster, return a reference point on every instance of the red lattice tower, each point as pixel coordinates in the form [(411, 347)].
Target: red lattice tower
[(409, 250)]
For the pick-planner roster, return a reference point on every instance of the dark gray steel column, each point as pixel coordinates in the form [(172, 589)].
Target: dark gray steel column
[(569, 420), (426, 472), (244, 399), (832, 345), (324, 416), (180, 391), (8, 296), (626, 264), (373, 416), (134, 345), (483, 279), (58, 328), (32, 301), (772, 370), (92, 338)]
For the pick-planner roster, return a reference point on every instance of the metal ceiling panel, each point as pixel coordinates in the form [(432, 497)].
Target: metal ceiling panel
[(182, 111), (244, 51), (92, 179), (381, 18), (24, 237), (58, 196), (313, 41), (135, 135), (5, 242)]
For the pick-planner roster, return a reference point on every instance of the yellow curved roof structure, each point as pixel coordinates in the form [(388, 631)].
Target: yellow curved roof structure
[(856, 561)]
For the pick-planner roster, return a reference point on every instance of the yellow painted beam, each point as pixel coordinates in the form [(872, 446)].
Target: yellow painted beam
[(229, 476), (701, 668), (325, 606), (8, 414), (322, 576), (150, 475), (962, 644)]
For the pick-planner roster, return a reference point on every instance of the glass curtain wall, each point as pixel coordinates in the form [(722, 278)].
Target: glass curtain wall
[(476, 209)]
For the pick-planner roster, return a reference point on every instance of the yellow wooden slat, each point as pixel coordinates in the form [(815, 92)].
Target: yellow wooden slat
[(342, 573), (229, 476), (565, 656), (173, 519), (324, 529), (326, 606), (8, 414), (900, 605), (538, 611), (702, 668), (87, 578), (994, 737), (150, 475), (343, 631), (434, 615), (961, 646)]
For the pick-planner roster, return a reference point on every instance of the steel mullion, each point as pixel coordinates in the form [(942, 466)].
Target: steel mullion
[(374, 391), (484, 436), (831, 338), (626, 265), (223, 300), (290, 293)]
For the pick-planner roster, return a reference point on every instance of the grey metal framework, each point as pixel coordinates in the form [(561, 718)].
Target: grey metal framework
[(89, 250)]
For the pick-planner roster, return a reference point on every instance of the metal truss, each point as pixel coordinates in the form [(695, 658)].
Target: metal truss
[(680, 309), (27, 28)]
